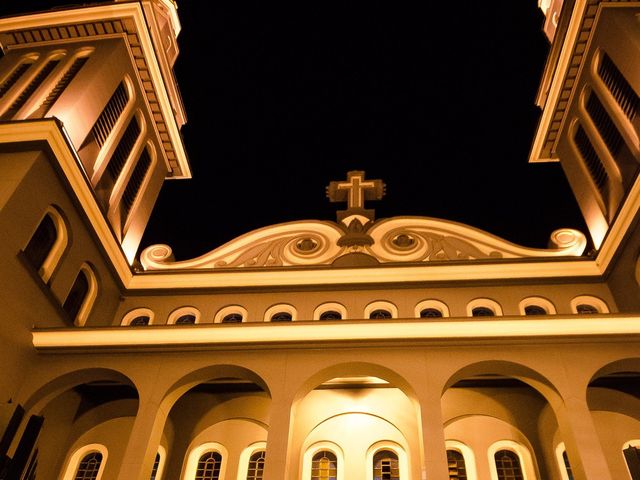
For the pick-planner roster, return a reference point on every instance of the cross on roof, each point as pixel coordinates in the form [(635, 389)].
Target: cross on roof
[(355, 190)]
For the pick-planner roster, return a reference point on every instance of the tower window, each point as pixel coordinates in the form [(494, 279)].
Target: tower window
[(112, 111), (123, 150), (209, 466), (135, 182), (430, 313), (13, 78), (77, 295), (606, 128), (232, 318), (60, 87), (281, 317), (89, 466), (324, 466), (330, 315), (256, 466), (42, 242), (30, 88), (534, 310), (508, 465), (380, 314), (457, 467), (482, 312), (386, 466), (591, 160), (621, 90)]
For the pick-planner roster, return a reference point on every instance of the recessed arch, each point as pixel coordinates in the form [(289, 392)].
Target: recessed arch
[(81, 295), (193, 457), (380, 305), (245, 458), (74, 461), (483, 303), (527, 305), (431, 304), (522, 453), (467, 454), (623, 365), (326, 307), (562, 460), (314, 449), (386, 445), (224, 312), (184, 315), (45, 253), (579, 304), (279, 308)]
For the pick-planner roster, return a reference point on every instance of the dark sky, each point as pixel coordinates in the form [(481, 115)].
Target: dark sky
[(438, 102)]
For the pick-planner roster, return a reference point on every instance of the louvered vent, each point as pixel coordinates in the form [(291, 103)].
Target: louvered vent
[(605, 126), (123, 150), (107, 119), (14, 77), (591, 160), (135, 182), (60, 87), (29, 89), (621, 90)]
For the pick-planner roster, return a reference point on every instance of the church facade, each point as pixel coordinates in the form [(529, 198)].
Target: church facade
[(407, 348)]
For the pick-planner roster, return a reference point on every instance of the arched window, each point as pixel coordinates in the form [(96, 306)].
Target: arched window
[(47, 244), (331, 315), (81, 296), (140, 321), (89, 466), (508, 465), (110, 114), (588, 304), (232, 318), (15, 75), (585, 308), (380, 314), (457, 467), (324, 466), (430, 313), (567, 465), (209, 466), (281, 317), (135, 183), (536, 306), (255, 469), (386, 466), (482, 312), (138, 317)]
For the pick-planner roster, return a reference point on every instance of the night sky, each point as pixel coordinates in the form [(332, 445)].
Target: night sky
[(437, 102)]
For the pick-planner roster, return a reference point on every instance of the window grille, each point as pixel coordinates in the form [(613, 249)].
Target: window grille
[(140, 321), (60, 87), (135, 182), (89, 467), (591, 160), (112, 111), (534, 310), (77, 295), (482, 312), (324, 466), (13, 78), (256, 466), (281, 317), (430, 313), (30, 88), (605, 126), (380, 314), (508, 465), (41, 243), (209, 466), (188, 319), (123, 150), (330, 315), (386, 466), (232, 318), (620, 89), (457, 467)]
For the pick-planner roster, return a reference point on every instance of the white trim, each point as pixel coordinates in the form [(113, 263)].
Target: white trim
[(467, 454), (245, 456), (380, 305), (74, 461), (486, 303), (137, 312), (281, 307), (596, 302), (330, 306), (228, 310), (163, 460), (59, 245), (258, 333), (197, 452), (403, 461), (90, 297), (526, 462), (318, 447), (537, 301), (432, 303), (178, 312)]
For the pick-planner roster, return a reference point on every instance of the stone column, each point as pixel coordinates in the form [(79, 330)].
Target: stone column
[(434, 451)]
